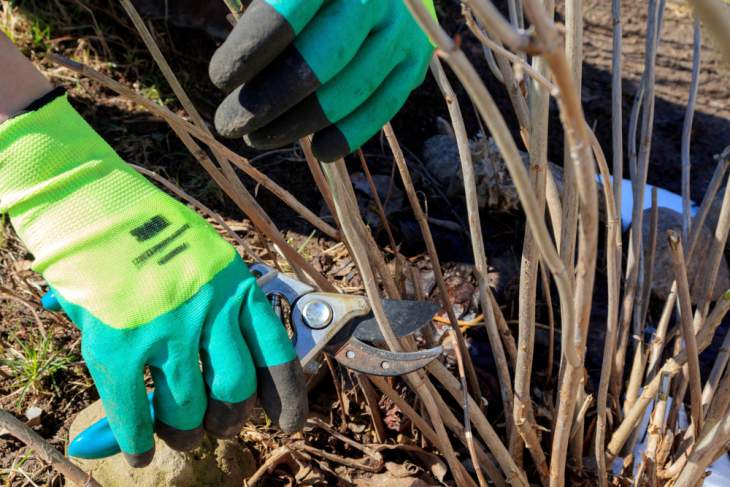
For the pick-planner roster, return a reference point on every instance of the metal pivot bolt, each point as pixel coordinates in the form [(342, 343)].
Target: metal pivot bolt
[(317, 314)]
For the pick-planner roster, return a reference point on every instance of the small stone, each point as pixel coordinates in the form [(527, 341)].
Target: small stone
[(33, 416), (223, 463), (697, 271), (441, 157)]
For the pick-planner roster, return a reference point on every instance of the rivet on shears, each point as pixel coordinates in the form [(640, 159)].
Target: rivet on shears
[(317, 314)]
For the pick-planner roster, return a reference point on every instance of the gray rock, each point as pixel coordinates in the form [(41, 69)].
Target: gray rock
[(495, 189), (697, 272), (223, 463), (441, 158), (390, 196)]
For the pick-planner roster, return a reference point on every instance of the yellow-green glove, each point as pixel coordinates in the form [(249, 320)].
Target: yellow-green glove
[(149, 283)]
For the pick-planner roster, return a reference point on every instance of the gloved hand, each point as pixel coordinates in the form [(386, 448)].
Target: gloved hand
[(340, 69), (149, 283)]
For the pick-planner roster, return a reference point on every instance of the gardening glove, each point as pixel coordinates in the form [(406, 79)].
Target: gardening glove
[(339, 69), (149, 283)]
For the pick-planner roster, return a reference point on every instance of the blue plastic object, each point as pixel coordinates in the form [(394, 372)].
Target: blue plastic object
[(98, 441), (50, 302)]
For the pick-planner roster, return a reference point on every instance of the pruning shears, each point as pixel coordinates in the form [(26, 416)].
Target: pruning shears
[(339, 324)]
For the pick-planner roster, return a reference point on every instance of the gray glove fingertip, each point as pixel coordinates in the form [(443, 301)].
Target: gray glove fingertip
[(283, 393)]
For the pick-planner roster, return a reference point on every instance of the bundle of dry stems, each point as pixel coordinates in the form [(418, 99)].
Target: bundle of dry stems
[(560, 244)]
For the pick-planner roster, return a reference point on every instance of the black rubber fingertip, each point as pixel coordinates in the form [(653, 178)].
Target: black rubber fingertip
[(259, 36), (140, 460), (283, 84), (301, 120), (180, 440), (234, 114), (225, 419), (330, 144), (283, 394)]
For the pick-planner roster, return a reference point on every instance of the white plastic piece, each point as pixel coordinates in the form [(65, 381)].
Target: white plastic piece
[(665, 199)]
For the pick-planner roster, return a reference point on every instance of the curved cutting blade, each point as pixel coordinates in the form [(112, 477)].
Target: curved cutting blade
[(361, 357), (406, 317)]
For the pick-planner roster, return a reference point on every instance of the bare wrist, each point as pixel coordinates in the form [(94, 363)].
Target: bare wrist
[(20, 82)]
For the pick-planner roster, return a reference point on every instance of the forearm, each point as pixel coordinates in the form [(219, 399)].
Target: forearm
[(20, 82)]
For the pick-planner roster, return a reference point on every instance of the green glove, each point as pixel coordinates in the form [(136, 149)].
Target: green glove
[(149, 283), (339, 69)]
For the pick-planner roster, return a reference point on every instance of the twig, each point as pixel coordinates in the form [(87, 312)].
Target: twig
[(353, 230), (31, 307), (408, 410), (279, 455), (349, 462), (639, 173), (45, 451), (671, 367), (657, 345), (616, 108), (656, 426), (371, 399), (501, 51), (497, 126), (547, 297), (688, 331), (523, 413), (687, 127), (462, 351), (378, 203), (489, 308), (507, 73), (514, 474), (716, 252), (638, 364), (706, 449), (338, 387), (717, 371), (613, 278), (493, 20), (651, 257), (466, 368), (317, 175)]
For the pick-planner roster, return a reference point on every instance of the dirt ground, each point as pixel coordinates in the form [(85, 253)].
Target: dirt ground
[(40, 362)]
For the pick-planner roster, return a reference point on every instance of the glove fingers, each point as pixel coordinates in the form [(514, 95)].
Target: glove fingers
[(260, 35), (283, 393), (360, 78), (303, 119), (124, 397), (280, 377), (301, 68), (229, 373), (283, 84), (354, 130), (180, 398)]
